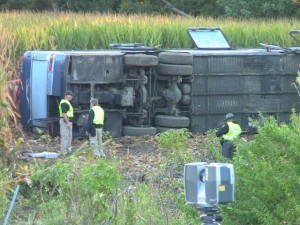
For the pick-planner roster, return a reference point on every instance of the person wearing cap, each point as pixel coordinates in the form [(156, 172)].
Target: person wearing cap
[(95, 126), (229, 132), (66, 113)]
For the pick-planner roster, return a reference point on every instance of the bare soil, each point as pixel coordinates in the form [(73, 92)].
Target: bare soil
[(136, 154)]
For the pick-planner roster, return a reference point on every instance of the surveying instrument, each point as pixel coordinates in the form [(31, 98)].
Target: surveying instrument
[(207, 185)]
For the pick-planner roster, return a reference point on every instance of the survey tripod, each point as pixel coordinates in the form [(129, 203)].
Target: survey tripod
[(208, 216)]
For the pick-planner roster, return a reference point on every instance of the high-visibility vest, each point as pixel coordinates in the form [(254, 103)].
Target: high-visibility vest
[(98, 115), (234, 131), (70, 112)]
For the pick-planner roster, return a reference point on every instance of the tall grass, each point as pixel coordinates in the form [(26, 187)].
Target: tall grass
[(8, 78), (48, 30), (8, 99)]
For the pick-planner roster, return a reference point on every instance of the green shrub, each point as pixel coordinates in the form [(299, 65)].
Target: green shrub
[(176, 141), (4, 202), (81, 191), (267, 177)]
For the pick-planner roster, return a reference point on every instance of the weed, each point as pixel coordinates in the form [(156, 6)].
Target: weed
[(175, 141), (82, 191), (296, 84)]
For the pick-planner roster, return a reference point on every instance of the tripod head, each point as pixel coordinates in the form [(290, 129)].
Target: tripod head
[(209, 216)]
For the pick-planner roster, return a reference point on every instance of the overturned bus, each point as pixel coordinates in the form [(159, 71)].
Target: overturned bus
[(146, 90)]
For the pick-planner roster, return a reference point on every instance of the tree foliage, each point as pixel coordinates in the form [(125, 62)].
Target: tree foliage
[(212, 8), (258, 8), (147, 6)]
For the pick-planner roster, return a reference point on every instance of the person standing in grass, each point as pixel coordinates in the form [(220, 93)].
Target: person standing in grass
[(95, 127), (66, 114), (229, 132)]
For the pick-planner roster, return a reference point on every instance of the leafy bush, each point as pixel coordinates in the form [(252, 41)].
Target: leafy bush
[(82, 192), (176, 143), (4, 202), (267, 177)]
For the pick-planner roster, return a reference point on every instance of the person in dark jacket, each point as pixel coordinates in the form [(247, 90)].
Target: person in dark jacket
[(229, 132), (95, 127)]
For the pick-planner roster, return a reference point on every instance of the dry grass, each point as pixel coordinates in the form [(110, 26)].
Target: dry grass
[(8, 96)]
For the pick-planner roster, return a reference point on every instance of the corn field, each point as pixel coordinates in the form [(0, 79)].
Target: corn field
[(22, 31), (35, 31)]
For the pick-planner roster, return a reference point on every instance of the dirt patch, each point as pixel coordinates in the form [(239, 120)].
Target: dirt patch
[(137, 155), (136, 145)]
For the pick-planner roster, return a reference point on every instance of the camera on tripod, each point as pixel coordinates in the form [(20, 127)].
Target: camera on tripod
[(206, 185)]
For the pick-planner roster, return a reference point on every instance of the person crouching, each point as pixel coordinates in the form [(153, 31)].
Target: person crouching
[(229, 132)]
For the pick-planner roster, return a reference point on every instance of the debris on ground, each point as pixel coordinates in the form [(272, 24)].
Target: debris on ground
[(137, 156)]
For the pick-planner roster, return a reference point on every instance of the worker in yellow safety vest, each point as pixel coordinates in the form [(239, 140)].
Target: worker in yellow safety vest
[(229, 132), (95, 127), (66, 114)]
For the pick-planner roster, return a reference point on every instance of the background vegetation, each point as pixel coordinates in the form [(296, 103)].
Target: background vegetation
[(51, 31), (212, 8), (76, 191)]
